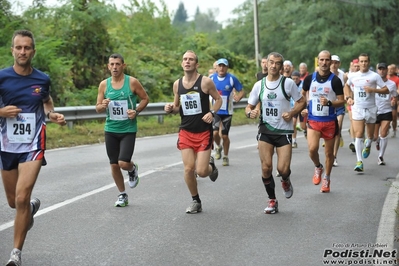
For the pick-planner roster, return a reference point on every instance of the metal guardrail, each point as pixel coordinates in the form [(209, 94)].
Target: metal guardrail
[(77, 113)]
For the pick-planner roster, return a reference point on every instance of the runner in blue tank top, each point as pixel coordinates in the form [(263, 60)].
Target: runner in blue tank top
[(325, 94), (24, 103), (230, 89)]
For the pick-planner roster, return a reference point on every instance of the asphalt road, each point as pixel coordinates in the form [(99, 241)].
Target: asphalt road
[(78, 224)]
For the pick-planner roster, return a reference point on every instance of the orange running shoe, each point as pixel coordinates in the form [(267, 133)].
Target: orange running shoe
[(318, 171), (325, 185)]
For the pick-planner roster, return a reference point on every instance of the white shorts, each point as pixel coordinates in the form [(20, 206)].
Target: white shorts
[(369, 115)]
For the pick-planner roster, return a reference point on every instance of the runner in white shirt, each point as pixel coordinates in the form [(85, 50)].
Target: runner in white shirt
[(384, 104), (360, 90), (273, 92)]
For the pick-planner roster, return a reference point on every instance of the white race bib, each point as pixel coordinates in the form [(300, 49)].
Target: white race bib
[(21, 129), (318, 109), (191, 104), (224, 103), (271, 112), (361, 94), (118, 110)]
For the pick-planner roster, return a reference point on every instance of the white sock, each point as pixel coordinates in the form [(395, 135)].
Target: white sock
[(368, 142), (293, 140), (383, 146), (359, 148)]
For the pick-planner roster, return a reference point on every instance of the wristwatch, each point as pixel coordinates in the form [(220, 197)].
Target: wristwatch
[(329, 103), (212, 112), (249, 114)]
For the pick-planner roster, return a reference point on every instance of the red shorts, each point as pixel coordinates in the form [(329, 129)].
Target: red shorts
[(349, 107), (201, 141), (328, 129)]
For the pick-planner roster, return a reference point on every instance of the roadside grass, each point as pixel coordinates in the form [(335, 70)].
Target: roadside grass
[(90, 132)]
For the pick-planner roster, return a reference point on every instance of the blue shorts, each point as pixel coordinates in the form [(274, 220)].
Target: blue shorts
[(340, 110), (10, 161)]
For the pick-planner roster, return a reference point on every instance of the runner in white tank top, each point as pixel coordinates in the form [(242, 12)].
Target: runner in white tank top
[(360, 90)]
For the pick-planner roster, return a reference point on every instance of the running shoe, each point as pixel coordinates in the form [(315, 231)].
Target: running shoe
[(287, 187), (341, 142), (352, 147), (298, 127), (359, 166), (134, 178), (122, 201), (318, 171), (195, 207), (335, 163), (365, 151), (214, 175), (294, 145), (377, 145), (272, 207), (325, 185), (225, 161), (394, 134), (35, 203), (381, 161), (15, 258), (277, 174), (218, 152)]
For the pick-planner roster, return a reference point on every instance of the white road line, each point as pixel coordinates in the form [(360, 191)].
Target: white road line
[(85, 195), (386, 228)]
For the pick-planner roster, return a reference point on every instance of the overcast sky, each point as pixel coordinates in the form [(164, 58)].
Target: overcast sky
[(225, 6)]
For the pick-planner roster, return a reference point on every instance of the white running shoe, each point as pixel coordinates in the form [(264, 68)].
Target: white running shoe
[(15, 258), (287, 187), (195, 207), (335, 163), (218, 152), (134, 178), (123, 200), (35, 203)]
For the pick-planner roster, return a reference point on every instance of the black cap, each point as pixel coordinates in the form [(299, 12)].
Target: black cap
[(296, 74), (381, 65)]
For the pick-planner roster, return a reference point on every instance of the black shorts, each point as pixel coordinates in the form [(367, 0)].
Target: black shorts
[(384, 117), (226, 123), (275, 140), (120, 146)]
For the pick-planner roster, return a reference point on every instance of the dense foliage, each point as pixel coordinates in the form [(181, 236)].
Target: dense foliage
[(75, 39)]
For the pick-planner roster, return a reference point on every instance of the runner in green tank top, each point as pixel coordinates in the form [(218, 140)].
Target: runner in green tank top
[(117, 96)]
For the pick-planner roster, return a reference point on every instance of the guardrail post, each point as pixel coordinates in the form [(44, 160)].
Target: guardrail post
[(160, 119), (70, 124)]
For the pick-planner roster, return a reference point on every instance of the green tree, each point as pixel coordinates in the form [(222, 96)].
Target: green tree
[(301, 29), (86, 39), (205, 22), (180, 18)]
